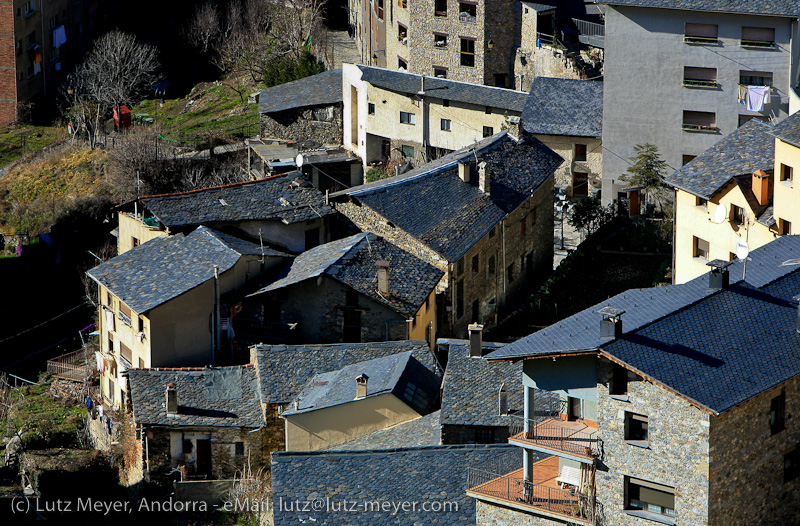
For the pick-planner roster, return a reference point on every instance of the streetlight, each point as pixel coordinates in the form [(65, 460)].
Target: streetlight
[(563, 206)]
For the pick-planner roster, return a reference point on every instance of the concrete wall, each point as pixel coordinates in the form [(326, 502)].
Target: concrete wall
[(321, 124), (787, 193), (129, 228), (322, 428), (644, 97), (565, 147)]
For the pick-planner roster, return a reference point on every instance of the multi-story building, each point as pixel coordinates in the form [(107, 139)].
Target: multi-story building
[(675, 71), (673, 410)]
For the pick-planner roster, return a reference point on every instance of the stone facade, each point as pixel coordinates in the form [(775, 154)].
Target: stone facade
[(592, 166), (8, 79), (322, 125), (488, 514)]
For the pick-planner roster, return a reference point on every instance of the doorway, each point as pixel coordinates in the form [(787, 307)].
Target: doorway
[(575, 408)]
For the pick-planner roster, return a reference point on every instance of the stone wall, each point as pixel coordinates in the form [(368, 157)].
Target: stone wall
[(488, 514), (747, 462), (321, 124), (69, 391), (8, 79), (565, 147), (503, 28), (677, 452), (274, 429), (544, 61)]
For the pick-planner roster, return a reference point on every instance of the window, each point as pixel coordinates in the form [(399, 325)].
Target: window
[(402, 33), (29, 7), (580, 152), (738, 216), (635, 428), (415, 396), (501, 80), (492, 232), (126, 353), (467, 12), (124, 314), (408, 151), (522, 225), (110, 343), (445, 124), (238, 449), (445, 103), (744, 119), (110, 391), (649, 498), (134, 242), (441, 73), (440, 40), (785, 227), (31, 39), (407, 118), (488, 110), (371, 108), (699, 121), (460, 299), (143, 325), (19, 46), (491, 267), (701, 34), (700, 77), (488, 131), (402, 63), (786, 173), (351, 298), (53, 21), (468, 52), (533, 217), (402, 3), (758, 37), (701, 248), (460, 267), (700, 202), (777, 414), (440, 8), (484, 435), (510, 273), (476, 266), (791, 464), (755, 78), (379, 5), (687, 159), (618, 381)]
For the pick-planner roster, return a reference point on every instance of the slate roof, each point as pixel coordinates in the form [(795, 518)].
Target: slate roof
[(772, 7), (564, 107), (352, 261), (288, 198), (539, 8), (284, 370), (387, 374), (402, 82), (164, 268), (218, 397), (420, 432), (448, 215), (427, 474), (788, 130), (321, 89), (694, 340)]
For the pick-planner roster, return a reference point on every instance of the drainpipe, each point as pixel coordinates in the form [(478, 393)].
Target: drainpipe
[(503, 229), (674, 232), (216, 315)]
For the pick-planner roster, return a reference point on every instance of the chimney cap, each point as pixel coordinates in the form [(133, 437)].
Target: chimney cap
[(171, 385), (362, 378), (760, 173), (611, 312), (475, 327), (382, 263), (719, 264)]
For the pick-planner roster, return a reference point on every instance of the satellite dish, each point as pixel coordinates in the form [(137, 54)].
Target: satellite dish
[(299, 160), (720, 215), (742, 250)]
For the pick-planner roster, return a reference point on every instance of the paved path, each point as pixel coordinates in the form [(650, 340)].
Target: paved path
[(342, 48), (572, 238)]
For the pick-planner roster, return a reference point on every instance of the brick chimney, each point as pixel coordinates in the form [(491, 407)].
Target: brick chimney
[(515, 127), (761, 184), (475, 340), (172, 399), (361, 385), (383, 276), (484, 178), (611, 324), (464, 172)]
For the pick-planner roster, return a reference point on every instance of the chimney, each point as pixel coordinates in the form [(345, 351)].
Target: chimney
[(515, 127), (484, 178), (502, 399), (761, 182), (719, 276), (475, 340), (464, 171), (383, 276), (611, 324), (361, 385), (172, 399)]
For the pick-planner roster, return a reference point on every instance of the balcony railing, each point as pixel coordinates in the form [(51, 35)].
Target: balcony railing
[(698, 83), (558, 435), (124, 318), (590, 28), (519, 492), (78, 365), (699, 127)]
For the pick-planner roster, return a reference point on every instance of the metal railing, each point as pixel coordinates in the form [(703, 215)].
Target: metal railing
[(554, 436), (700, 83), (698, 127), (590, 28), (513, 489), (758, 43), (72, 366)]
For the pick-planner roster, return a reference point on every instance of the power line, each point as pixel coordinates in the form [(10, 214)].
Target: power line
[(44, 322)]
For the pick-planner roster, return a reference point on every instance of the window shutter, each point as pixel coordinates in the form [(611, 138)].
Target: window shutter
[(702, 30)]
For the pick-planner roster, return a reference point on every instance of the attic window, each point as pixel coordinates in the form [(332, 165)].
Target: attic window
[(223, 202)]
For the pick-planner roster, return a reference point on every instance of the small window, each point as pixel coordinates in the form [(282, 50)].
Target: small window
[(763, 37), (402, 63), (777, 414), (500, 80), (440, 8), (701, 33), (402, 34), (635, 427), (110, 392), (407, 118), (738, 216), (533, 217), (351, 298), (476, 266), (468, 52), (441, 73), (700, 77), (699, 121), (445, 103), (618, 382), (467, 12), (701, 248), (755, 78), (744, 119), (379, 5), (580, 152), (687, 159), (484, 435), (785, 227), (460, 299), (510, 273), (238, 449), (143, 325), (522, 228), (700, 202), (791, 464), (125, 353), (488, 131), (786, 173), (445, 124), (439, 40), (488, 110), (460, 267), (492, 232), (408, 151), (134, 242), (371, 108), (491, 267), (649, 497)]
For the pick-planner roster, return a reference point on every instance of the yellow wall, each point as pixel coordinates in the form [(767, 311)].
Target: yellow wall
[(130, 228), (323, 428), (424, 317), (787, 194)]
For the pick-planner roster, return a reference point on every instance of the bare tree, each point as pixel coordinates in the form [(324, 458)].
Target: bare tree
[(204, 28)]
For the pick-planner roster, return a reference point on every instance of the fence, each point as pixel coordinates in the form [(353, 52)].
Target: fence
[(72, 366)]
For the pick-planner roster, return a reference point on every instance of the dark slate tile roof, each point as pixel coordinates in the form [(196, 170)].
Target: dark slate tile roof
[(352, 261), (539, 8), (750, 7), (318, 90), (564, 107), (448, 215), (401, 82), (222, 396), (428, 474), (387, 374), (788, 130), (767, 217), (420, 432), (288, 198), (166, 267), (285, 369)]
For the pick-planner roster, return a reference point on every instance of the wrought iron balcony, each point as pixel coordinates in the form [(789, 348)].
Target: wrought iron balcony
[(555, 435)]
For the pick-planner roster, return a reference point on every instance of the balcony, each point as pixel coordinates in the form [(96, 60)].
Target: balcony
[(541, 495), (763, 44), (77, 366), (573, 440)]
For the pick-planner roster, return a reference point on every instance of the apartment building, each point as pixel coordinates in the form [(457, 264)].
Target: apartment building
[(675, 72)]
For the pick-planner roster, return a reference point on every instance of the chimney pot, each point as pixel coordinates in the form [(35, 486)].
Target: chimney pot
[(475, 340), (464, 171), (383, 276), (484, 178), (361, 385), (172, 399), (515, 127), (611, 324), (502, 399), (760, 184)]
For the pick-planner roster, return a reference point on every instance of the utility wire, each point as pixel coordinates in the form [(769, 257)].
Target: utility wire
[(44, 322)]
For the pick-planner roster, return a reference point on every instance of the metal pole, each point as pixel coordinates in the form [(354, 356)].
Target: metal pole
[(216, 314)]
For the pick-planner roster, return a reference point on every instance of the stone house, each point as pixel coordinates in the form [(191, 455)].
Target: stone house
[(738, 194), (483, 215), (283, 211), (673, 71), (283, 371), (412, 119), (567, 116), (166, 303), (359, 399), (197, 423), (672, 411), (357, 289), (307, 110)]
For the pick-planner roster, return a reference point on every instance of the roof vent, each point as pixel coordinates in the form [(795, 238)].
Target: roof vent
[(361, 385), (611, 324), (383, 276), (475, 340), (464, 171), (172, 399), (484, 178), (719, 276), (761, 184), (502, 401)]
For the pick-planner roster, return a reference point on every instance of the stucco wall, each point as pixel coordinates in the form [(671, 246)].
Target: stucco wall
[(130, 228), (787, 194)]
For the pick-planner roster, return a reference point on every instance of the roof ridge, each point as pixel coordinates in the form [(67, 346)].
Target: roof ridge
[(445, 81), (188, 369)]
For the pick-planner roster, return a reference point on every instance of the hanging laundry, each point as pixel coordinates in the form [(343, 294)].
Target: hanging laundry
[(59, 37), (757, 96), (37, 68), (109, 320), (99, 358), (742, 93)]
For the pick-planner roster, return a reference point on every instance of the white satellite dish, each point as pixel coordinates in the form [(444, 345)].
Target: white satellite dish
[(299, 160), (720, 215), (742, 249)]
